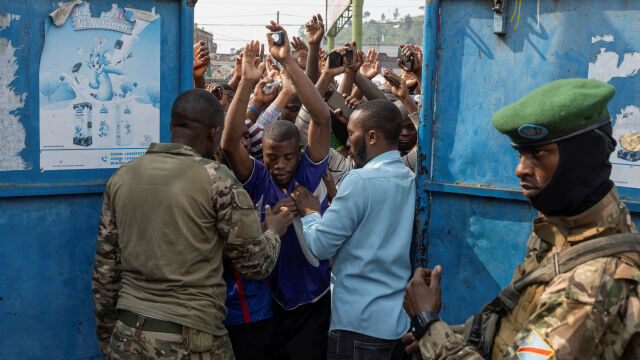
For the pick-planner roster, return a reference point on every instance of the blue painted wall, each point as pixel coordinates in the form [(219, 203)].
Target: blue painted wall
[(49, 220), (473, 219)]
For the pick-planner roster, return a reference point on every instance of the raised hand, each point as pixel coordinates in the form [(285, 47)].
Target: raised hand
[(260, 99), (322, 58), (333, 72), (314, 29), (371, 66), (401, 91), (358, 58), (279, 52), (201, 58), (301, 51), (250, 71), (417, 60)]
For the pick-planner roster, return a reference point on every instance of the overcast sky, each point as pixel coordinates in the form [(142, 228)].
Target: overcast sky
[(235, 22)]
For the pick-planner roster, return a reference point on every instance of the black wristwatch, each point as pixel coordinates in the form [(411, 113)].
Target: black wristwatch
[(420, 323)]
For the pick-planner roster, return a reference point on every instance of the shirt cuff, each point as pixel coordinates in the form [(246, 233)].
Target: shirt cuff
[(310, 220)]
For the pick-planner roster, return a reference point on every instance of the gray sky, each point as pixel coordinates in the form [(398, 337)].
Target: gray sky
[(235, 22)]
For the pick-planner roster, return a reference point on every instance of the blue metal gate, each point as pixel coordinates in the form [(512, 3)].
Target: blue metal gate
[(473, 218), (49, 219)]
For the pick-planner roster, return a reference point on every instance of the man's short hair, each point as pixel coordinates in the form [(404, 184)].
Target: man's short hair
[(281, 131), (197, 107), (381, 115)]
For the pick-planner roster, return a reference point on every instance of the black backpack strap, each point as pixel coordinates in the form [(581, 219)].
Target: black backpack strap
[(561, 262)]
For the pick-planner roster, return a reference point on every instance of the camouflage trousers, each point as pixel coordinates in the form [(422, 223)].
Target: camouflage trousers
[(130, 343)]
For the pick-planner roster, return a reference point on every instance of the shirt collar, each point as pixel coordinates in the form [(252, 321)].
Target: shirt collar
[(172, 148), (386, 156)]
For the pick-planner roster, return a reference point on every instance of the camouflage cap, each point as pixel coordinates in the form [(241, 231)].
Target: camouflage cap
[(555, 111)]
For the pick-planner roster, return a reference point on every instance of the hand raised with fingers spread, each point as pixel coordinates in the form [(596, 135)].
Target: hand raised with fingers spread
[(250, 71), (371, 66), (279, 52), (315, 29), (301, 51), (201, 59)]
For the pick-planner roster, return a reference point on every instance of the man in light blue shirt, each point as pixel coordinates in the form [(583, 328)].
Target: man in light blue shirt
[(367, 230)]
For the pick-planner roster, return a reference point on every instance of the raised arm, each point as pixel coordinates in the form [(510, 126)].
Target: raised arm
[(319, 136), (402, 93), (234, 125), (350, 74), (315, 32), (201, 62)]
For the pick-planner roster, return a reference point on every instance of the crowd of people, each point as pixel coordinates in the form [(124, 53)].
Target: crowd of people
[(277, 222)]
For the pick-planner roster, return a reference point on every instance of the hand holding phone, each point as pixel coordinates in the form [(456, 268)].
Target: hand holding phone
[(406, 61)]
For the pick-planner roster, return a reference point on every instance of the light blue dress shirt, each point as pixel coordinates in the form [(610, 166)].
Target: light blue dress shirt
[(368, 229)]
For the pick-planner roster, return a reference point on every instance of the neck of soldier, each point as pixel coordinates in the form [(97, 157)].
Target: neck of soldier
[(184, 136)]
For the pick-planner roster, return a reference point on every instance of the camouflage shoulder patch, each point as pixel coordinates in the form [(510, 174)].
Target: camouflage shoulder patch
[(241, 198), (534, 348)]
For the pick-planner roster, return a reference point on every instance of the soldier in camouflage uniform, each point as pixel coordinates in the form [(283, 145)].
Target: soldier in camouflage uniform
[(168, 219), (563, 134)]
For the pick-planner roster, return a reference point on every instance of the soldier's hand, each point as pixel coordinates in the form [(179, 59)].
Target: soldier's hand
[(285, 204), (413, 346), (305, 201), (278, 223), (423, 291)]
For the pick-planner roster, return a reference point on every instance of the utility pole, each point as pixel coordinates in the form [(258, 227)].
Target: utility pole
[(356, 29), (278, 17)]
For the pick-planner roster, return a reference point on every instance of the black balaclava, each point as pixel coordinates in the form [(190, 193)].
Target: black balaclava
[(582, 176)]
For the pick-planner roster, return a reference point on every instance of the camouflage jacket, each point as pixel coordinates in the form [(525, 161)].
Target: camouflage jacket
[(590, 312), (167, 220)]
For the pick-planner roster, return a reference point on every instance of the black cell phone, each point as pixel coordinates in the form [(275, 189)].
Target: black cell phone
[(348, 53), (336, 101), (118, 44), (407, 61), (391, 80), (335, 59), (278, 37), (218, 93)]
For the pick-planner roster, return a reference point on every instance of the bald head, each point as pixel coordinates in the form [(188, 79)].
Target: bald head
[(197, 108)]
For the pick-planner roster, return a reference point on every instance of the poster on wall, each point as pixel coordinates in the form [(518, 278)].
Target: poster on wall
[(620, 67), (99, 88)]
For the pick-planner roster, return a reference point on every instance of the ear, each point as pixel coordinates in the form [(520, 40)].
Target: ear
[(214, 134), (372, 137)]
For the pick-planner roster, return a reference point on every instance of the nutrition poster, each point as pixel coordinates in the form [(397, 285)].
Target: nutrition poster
[(99, 88)]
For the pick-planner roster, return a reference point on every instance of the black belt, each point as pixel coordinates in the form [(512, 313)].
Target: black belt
[(150, 324)]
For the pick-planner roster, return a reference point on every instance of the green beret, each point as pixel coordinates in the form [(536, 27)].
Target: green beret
[(555, 111)]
